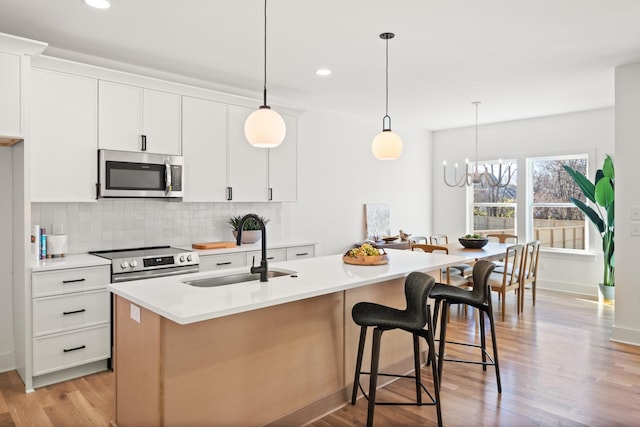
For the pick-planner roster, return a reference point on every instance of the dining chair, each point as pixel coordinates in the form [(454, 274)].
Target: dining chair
[(417, 239), (451, 278), (510, 277), (503, 237), (442, 239), (530, 270)]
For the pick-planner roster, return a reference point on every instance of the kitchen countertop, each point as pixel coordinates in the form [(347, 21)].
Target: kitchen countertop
[(68, 261), (184, 304), (247, 247)]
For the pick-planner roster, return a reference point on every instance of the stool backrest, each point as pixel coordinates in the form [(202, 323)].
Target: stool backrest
[(481, 272), (417, 287)]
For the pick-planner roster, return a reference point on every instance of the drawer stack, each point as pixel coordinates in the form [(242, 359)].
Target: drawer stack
[(71, 318)]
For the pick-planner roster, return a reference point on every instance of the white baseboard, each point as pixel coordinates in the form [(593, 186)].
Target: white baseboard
[(7, 362), (573, 288), (625, 336)]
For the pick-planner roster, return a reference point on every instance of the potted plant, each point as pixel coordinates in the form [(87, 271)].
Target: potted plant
[(601, 193), (250, 229)]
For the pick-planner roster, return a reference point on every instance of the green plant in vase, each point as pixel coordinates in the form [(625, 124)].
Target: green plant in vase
[(601, 193), (250, 229)]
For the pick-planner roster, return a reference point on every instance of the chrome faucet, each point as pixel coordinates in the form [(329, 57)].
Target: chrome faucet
[(263, 269)]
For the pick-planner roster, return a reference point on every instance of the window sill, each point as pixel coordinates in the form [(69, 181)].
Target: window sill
[(564, 253)]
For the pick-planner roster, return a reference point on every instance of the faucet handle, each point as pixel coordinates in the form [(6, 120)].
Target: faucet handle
[(253, 261)]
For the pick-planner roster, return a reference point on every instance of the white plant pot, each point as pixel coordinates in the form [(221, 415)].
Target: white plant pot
[(248, 236)]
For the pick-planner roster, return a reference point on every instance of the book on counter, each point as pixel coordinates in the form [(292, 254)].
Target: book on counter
[(38, 242)]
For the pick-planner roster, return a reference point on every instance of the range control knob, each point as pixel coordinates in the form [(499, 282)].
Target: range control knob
[(181, 258), (189, 258), (124, 265), (134, 263)]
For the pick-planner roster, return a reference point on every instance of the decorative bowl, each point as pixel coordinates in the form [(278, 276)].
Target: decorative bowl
[(366, 259), (389, 239), (471, 243)]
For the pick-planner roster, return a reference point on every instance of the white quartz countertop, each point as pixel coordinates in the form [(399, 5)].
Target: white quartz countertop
[(184, 304), (247, 247), (68, 261)]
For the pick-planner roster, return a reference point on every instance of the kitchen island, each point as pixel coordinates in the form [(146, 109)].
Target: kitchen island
[(252, 353)]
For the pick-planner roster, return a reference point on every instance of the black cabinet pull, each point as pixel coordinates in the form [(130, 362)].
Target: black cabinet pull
[(270, 193), (269, 257), (143, 138), (65, 313), (224, 263), (303, 254), (67, 350), (73, 281), (229, 193)]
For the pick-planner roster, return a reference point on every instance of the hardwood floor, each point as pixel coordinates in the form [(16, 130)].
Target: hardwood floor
[(557, 363)]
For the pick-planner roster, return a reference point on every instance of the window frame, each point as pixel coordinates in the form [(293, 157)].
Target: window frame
[(530, 205)]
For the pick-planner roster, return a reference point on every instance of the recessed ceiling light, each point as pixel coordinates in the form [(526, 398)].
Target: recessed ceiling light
[(323, 71), (98, 4)]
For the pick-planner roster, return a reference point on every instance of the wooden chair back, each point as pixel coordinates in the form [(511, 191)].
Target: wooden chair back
[(503, 237), (429, 248), (438, 239), (417, 239), (530, 270)]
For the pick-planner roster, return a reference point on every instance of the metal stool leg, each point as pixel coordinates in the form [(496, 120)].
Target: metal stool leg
[(373, 380), (483, 341), (356, 379)]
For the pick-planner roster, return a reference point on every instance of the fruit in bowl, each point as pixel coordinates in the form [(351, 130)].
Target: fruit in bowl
[(365, 254), (473, 241)]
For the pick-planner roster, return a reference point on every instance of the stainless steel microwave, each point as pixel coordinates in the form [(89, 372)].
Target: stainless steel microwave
[(134, 174)]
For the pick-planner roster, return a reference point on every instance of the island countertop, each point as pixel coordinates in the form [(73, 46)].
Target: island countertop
[(181, 303)]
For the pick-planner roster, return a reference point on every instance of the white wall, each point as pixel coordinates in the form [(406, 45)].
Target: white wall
[(590, 132), (627, 318), (337, 175), (6, 298)]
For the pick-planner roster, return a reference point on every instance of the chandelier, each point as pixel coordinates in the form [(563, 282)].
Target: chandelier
[(475, 176)]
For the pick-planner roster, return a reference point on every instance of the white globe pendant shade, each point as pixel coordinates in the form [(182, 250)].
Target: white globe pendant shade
[(387, 145), (265, 128)]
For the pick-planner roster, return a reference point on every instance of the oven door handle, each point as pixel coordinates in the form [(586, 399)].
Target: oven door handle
[(126, 277), (167, 177)]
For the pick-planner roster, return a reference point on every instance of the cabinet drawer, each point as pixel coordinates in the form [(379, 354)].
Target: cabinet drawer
[(299, 252), (222, 261), (273, 255), (64, 313), (71, 280), (61, 351)]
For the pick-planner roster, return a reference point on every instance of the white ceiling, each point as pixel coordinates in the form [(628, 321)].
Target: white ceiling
[(521, 58)]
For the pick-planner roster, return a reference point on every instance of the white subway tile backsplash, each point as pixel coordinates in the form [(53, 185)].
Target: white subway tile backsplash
[(115, 224)]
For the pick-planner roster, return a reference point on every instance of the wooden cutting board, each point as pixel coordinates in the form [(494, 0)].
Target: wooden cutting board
[(213, 245)]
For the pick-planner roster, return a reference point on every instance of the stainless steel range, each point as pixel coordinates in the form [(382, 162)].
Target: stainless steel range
[(145, 263)]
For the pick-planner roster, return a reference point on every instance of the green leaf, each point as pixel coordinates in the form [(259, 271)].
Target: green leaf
[(607, 168), (587, 187), (611, 215), (604, 192), (593, 215)]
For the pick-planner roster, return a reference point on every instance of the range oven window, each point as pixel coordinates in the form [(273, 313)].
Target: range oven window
[(135, 176)]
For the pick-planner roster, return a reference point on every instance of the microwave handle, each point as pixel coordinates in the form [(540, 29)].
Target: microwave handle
[(167, 177)]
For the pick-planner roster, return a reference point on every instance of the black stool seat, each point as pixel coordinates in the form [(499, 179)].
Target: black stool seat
[(479, 298), (416, 320)]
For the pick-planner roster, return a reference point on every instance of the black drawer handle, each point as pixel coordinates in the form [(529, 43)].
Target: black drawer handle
[(270, 257), (73, 281), (73, 312), (303, 254), (67, 350), (224, 263)]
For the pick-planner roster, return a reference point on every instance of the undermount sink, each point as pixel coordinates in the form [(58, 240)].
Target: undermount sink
[(234, 278)]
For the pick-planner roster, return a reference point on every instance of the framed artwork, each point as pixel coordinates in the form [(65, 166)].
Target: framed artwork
[(377, 222)]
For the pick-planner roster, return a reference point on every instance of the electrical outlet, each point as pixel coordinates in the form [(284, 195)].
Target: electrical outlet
[(635, 228), (635, 213), (135, 313)]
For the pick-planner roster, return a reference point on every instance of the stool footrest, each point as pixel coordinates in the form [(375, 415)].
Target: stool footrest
[(491, 362), (366, 396)]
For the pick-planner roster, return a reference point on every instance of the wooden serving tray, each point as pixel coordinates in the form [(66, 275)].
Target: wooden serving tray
[(213, 245), (366, 260)]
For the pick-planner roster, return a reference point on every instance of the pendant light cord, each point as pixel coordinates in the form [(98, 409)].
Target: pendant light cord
[(386, 109), (265, 55)]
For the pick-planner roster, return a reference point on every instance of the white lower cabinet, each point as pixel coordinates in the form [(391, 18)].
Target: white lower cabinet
[(222, 261), (71, 320), (300, 252), (273, 255)]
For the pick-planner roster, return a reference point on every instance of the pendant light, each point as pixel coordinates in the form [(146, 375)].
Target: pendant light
[(387, 145), (264, 127)]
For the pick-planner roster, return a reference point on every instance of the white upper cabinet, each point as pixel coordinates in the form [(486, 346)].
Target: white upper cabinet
[(64, 145), (138, 119), (10, 95), (283, 165), (247, 164), (204, 147)]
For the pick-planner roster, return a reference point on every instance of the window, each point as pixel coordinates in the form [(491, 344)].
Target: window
[(494, 208), (554, 220)]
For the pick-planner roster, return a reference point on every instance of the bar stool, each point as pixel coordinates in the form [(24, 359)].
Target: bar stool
[(413, 320), (479, 298)]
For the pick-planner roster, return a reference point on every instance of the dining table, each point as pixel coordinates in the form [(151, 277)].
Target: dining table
[(492, 251)]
